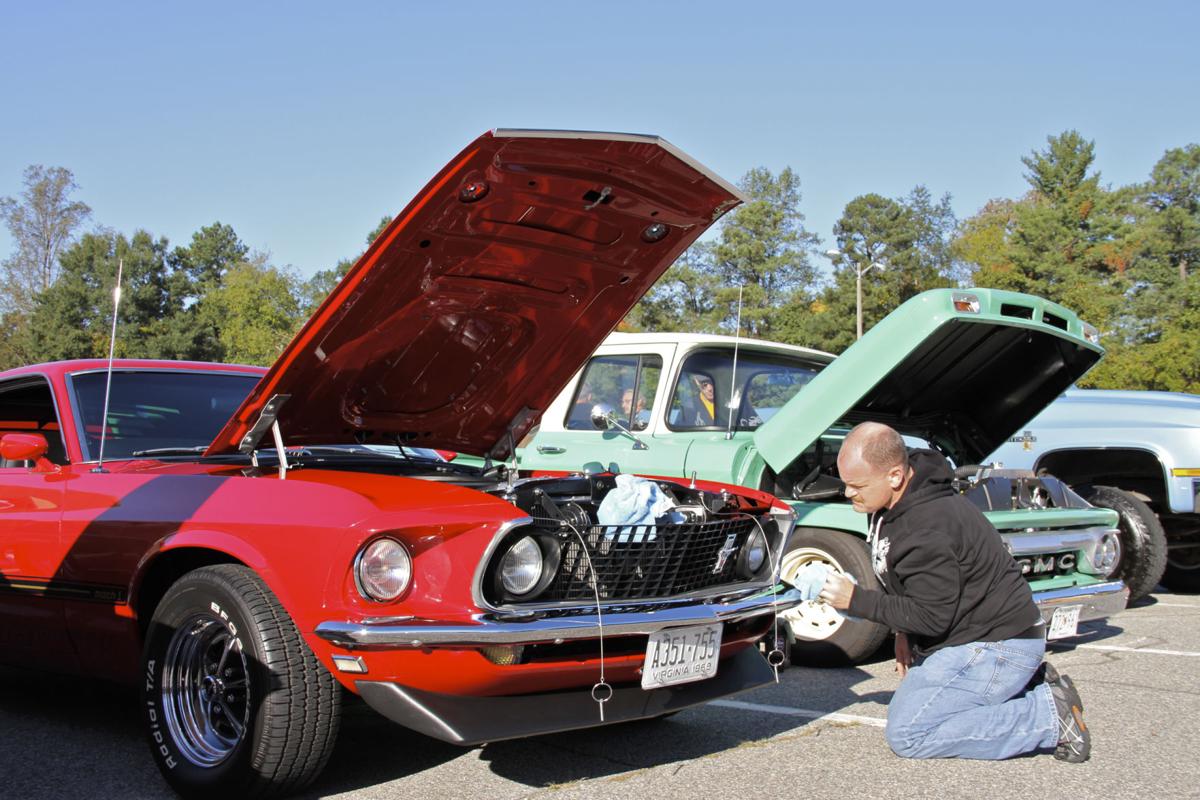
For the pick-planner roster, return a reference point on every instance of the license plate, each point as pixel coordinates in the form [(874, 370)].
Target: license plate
[(681, 655), (1064, 622)]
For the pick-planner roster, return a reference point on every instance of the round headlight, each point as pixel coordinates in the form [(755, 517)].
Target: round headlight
[(1108, 554), (521, 567), (756, 551), (383, 570)]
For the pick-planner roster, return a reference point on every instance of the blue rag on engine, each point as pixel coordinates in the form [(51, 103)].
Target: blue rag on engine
[(628, 512), (811, 577)]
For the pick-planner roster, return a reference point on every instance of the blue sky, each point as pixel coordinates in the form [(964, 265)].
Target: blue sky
[(301, 124)]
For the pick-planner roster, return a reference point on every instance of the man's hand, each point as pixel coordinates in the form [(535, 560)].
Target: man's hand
[(837, 591), (903, 654)]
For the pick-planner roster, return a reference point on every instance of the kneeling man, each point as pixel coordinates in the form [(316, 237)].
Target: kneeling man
[(969, 638)]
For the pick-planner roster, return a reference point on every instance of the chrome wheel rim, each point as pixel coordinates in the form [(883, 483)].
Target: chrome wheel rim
[(206, 690), (812, 620)]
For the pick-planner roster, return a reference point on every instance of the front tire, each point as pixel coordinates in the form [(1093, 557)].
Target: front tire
[(1143, 541), (816, 634), (233, 699)]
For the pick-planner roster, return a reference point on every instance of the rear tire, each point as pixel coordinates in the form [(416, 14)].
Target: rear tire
[(1143, 541), (234, 701), (814, 633)]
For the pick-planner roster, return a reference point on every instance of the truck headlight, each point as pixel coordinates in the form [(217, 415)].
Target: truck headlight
[(521, 567), (383, 570), (1108, 554)]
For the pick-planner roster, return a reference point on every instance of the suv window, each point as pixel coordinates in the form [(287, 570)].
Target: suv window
[(616, 381), (761, 385), (27, 406), (150, 410)]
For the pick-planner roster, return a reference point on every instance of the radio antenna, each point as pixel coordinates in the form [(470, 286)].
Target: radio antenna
[(734, 402), (112, 344)]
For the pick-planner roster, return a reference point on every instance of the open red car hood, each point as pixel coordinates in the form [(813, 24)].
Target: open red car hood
[(474, 307)]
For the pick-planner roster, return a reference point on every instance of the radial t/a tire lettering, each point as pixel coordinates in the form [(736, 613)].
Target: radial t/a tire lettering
[(234, 701)]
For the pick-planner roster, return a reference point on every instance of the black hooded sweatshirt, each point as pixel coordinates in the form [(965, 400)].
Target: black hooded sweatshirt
[(947, 577)]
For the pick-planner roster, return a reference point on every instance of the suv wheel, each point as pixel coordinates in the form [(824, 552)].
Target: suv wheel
[(233, 700), (815, 633)]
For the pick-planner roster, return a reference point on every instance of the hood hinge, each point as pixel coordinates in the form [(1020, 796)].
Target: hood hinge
[(268, 419)]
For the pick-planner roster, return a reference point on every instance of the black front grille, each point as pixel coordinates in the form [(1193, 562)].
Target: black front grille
[(646, 561)]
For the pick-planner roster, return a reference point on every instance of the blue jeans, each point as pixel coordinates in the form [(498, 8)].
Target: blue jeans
[(969, 702)]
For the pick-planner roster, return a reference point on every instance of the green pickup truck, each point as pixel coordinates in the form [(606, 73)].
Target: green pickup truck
[(958, 370)]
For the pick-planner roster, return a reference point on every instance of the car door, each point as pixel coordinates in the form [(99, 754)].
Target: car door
[(32, 626)]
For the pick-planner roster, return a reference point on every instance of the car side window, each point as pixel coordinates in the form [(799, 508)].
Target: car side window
[(27, 406), (625, 384), (711, 385)]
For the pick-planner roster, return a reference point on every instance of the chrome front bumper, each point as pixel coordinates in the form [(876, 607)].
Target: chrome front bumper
[(555, 627), (1099, 601)]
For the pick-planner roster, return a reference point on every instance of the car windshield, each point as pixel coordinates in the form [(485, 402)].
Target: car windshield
[(709, 388), (156, 412)]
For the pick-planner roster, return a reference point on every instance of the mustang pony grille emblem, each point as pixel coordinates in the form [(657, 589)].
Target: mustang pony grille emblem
[(725, 552)]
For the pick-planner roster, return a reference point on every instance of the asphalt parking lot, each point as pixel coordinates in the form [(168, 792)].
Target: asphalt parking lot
[(818, 733)]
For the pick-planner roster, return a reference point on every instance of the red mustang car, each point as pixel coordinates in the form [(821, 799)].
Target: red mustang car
[(245, 544)]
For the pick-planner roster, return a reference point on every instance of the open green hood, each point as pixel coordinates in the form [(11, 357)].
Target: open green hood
[(962, 369)]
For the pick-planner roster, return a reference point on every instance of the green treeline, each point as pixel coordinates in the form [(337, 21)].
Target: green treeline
[(1123, 258)]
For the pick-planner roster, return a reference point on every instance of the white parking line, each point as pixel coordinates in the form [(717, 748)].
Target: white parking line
[(787, 711), (1174, 605), (1117, 648)]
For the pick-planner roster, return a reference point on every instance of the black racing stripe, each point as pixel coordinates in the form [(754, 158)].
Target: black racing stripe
[(111, 546)]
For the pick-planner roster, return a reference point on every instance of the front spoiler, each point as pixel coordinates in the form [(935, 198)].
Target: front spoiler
[(475, 720), (556, 627), (1099, 601)]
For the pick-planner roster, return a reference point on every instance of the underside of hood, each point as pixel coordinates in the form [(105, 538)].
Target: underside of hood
[(472, 309), (962, 369)]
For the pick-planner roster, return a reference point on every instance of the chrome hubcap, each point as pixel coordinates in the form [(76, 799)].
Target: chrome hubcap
[(206, 690)]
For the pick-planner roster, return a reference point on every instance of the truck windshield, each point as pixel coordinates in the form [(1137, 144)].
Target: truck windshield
[(709, 388), (151, 410)]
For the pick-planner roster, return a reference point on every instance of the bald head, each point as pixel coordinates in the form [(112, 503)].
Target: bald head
[(873, 464), (877, 444)]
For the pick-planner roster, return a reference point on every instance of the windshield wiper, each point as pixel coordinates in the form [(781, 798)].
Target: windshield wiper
[(170, 451)]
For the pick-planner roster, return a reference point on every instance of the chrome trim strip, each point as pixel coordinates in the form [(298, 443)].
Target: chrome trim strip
[(488, 630)]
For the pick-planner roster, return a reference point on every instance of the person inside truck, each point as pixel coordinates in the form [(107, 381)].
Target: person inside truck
[(696, 405), (969, 638), (636, 420)]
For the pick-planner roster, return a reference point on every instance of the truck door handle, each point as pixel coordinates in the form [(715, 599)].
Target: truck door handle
[(550, 450)]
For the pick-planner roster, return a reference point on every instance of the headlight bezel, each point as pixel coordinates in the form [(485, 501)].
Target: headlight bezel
[(550, 550), (744, 568), (361, 582), (1108, 549)]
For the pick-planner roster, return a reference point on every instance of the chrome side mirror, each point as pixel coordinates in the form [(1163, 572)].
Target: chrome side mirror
[(603, 416)]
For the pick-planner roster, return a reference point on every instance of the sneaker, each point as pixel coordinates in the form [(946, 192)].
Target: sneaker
[(1074, 738), (1047, 674)]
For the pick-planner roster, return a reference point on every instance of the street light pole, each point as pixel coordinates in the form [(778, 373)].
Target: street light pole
[(858, 276)]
